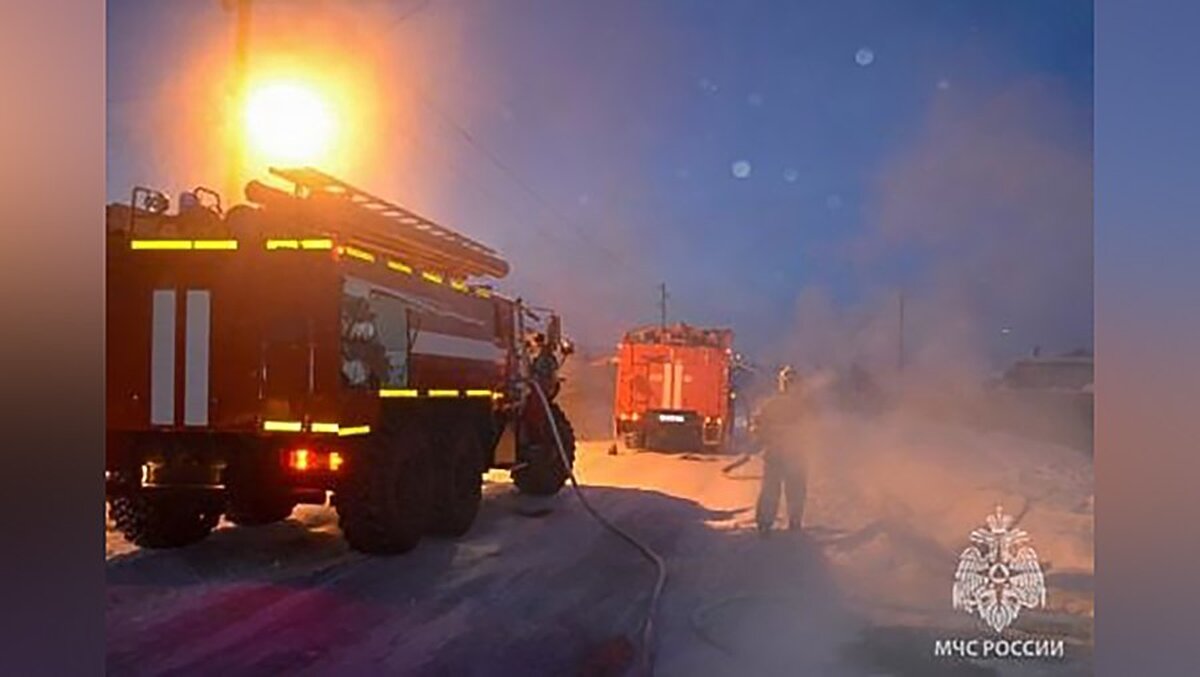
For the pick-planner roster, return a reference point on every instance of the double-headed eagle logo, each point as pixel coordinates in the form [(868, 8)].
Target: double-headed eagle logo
[(998, 575)]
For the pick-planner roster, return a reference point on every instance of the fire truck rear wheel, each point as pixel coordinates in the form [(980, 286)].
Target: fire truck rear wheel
[(541, 472), (634, 440), (384, 505), (164, 520), (457, 483)]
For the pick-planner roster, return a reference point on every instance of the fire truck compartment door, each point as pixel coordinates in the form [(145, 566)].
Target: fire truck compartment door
[(391, 321), (375, 335)]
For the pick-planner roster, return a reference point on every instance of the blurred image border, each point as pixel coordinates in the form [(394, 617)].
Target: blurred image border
[(1147, 326)]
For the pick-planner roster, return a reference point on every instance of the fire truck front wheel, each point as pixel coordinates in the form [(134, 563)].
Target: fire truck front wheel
[(165, 520), (383, 507), (540, 471)]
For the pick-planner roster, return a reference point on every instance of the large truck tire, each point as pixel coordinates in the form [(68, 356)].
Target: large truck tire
[(457, 483), (164, 520), (634, 440), (540, 470), (383, 506), (255, 509)]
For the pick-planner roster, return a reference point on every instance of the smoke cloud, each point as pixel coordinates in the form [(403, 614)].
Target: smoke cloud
[(984, 222)]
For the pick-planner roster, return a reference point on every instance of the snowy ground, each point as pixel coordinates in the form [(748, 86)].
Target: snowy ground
[(863, 591)]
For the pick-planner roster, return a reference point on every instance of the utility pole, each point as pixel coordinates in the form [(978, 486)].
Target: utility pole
[(900, 334), (662, 304), (236, 150)]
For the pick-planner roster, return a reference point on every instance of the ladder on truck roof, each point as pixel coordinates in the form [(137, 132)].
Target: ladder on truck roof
[(680, 334), (376, 223)]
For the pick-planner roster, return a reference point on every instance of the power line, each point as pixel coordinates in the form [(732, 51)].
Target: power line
[(512, 175), (505, 168), (458, 173), (662, 304), (420, 6)]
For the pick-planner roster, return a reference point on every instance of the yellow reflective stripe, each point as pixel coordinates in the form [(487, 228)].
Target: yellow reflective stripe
[(215, 245), (439, 392), (282, 426), (483, 293), (400, 267), (359, 254), (309, 243), (398, 392), (177, 245), (432, 277), (459, 285), (160, 244), (316, 427)]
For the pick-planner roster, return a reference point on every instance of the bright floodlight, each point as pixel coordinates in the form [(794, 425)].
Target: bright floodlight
[(289, 122)]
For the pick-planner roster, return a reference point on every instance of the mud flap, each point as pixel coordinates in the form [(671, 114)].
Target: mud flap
[(505, 455)]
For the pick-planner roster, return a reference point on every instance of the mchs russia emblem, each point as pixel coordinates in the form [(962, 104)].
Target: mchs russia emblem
[(1000, 574)]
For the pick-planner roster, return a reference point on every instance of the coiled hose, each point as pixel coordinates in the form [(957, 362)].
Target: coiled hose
[(646, 652)]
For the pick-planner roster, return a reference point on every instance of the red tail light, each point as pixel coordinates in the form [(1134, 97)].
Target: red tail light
[(300, 459), (305, 460)]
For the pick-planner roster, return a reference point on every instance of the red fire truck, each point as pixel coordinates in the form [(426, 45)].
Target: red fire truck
[(673, 388), (318, 340)]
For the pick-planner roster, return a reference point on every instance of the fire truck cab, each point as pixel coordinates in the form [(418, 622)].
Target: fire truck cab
[(673, 388), (316, 340)]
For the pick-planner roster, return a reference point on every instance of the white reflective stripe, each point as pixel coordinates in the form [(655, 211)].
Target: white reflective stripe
[(195, 369), (450, 345), (677, 395), (162, 357), (666, 386)]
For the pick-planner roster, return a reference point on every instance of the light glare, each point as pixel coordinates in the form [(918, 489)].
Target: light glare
[(289, 122)]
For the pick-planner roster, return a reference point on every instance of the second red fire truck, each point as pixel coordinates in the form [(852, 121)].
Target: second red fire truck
[(673, 388)]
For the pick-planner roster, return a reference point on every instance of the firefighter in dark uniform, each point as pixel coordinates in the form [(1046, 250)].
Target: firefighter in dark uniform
[(774, 426), (544, 369)]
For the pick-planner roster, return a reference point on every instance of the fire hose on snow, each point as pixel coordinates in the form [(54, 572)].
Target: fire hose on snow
[(737, 463), (646, 658)]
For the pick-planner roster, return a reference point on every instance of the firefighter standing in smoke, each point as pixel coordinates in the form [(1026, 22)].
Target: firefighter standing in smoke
[(773, 426)]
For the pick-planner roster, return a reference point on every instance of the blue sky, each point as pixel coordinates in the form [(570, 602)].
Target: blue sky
[(745, 153)]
